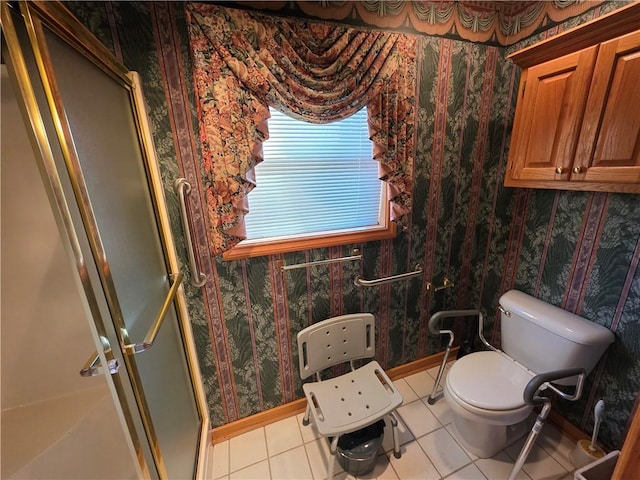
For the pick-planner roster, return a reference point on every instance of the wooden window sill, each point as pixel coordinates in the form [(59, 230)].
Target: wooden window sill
[(248, 249)]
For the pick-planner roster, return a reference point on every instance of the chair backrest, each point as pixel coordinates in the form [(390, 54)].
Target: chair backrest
[(336, 340)]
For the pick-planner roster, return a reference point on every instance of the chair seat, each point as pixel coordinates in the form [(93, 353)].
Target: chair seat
[(352, 401)]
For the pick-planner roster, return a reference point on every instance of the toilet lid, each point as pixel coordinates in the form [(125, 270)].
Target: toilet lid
[(489, 380)]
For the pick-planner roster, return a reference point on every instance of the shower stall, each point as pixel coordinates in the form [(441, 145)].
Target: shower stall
[(50, 414), (99, 373)]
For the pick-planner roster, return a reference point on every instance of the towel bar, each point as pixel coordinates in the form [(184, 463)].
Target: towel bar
[(356, 256)]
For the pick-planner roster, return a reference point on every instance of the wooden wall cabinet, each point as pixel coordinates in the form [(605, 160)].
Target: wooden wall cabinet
[(577, 120)]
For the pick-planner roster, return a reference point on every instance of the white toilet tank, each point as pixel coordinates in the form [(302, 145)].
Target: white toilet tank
[(544, 338)]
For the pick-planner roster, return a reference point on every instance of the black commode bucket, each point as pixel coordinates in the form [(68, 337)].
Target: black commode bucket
[(357, 451)]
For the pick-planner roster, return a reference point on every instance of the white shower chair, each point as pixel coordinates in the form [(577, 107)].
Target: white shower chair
[(351, 401)]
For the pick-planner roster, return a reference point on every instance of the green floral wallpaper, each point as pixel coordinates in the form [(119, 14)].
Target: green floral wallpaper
[(576, 250)]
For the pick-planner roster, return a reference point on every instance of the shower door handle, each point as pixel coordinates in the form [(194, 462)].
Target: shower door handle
[(147, 343), (93, 367)]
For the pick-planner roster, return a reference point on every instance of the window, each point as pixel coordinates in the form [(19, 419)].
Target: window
[(317, 186)]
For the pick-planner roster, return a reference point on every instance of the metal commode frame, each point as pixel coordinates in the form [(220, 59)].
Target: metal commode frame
[(536, 385), (531, 392), (433, 321)]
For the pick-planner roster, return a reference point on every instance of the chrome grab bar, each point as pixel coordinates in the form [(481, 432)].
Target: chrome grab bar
[(356, 256), (394, 278), (182, 188), (147, 343)]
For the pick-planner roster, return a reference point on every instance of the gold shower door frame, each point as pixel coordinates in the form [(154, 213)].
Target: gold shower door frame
[(127, 385)]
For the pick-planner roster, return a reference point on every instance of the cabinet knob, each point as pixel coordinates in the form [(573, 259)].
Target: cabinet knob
[(559, 170), (577, 169)]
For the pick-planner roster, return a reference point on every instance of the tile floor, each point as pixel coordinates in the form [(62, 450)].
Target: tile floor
[(289, 450)]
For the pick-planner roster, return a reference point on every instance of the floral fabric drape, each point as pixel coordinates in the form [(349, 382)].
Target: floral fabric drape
[(319, 72)]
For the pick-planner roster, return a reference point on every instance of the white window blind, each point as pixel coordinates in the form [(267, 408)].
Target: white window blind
[(314, 179)]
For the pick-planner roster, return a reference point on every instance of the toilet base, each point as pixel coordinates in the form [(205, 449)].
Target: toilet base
[(485, 440)]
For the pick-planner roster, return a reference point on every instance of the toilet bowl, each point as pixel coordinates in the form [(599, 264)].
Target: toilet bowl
[(484, 409), (485, 390)]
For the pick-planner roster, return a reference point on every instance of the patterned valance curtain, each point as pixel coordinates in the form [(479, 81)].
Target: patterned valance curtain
[(245, 62)]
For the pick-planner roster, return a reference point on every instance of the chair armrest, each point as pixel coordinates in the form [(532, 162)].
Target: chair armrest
[(536, 382)]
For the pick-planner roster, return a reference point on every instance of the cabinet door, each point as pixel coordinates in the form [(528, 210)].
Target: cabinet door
[(609, 147), (548, 122)]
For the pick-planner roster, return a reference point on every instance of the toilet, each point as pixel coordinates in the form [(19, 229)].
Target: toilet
[(484, 390)]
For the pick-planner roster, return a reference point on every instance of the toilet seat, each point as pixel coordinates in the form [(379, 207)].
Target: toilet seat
[(488, 385), (489, 380)]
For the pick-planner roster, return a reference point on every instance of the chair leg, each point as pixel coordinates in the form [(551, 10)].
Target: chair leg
[(333, 449), (394, 431), (305, 419)]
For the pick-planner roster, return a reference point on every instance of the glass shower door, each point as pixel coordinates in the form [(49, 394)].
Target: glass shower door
[(55, 423), (104, 133), (127, 258)]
